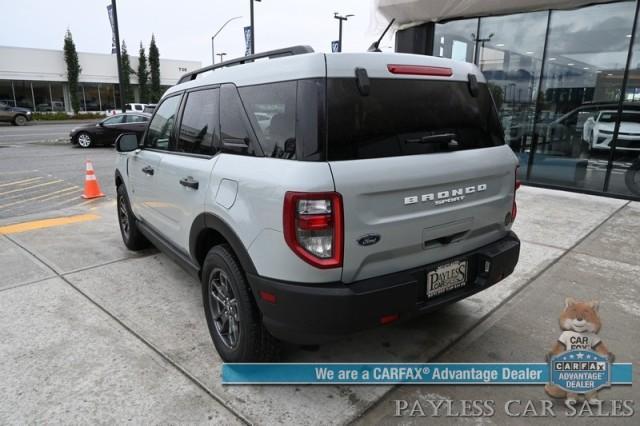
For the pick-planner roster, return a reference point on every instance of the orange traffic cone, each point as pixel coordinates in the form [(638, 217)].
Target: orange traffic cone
[(91, 186)]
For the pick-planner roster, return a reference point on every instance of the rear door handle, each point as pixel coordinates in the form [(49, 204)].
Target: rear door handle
[(189, 182), (148, 170)]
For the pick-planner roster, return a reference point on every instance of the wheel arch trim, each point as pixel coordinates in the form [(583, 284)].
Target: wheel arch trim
[(209, 221)]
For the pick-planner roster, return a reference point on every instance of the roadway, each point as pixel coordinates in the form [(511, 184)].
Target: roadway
[(12, 135), (37, 176)]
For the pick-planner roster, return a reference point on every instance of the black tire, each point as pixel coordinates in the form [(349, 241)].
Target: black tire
[(252, 342), (632, 178), (20, 120), (131, 235), (84, 140)]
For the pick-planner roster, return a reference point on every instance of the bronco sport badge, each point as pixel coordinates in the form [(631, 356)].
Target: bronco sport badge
[(444, 197)]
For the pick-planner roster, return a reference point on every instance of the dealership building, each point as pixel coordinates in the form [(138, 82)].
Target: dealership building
[(565, 76), (37, 79)]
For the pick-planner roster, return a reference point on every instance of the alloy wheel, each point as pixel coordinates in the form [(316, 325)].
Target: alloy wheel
[(123, 216), (224, 308), (84, 140)]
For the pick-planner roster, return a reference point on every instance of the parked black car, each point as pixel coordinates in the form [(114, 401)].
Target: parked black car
[(106, 131), (14, 115)]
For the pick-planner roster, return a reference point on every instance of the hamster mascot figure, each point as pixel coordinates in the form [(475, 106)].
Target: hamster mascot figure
[(580, 324)]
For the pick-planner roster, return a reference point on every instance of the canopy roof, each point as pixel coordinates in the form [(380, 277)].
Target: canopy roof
[(412, 12)]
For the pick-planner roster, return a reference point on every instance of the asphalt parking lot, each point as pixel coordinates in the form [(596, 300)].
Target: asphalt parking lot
[(93, 333)]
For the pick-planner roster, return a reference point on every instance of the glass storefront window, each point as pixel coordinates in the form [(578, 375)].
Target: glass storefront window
[(107, 96), (455, 39), (511, 60), (586, 55), (23, 94), (42, 96), (625, 169), (6, 92), (57, 97), (91, 97)]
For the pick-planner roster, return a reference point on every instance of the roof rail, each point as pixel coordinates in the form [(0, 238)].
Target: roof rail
[(287, 51)]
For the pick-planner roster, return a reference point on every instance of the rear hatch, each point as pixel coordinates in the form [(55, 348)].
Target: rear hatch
[(420, 162)]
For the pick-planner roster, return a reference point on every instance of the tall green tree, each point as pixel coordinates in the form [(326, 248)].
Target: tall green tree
[(154, 65), (143, 75), (126, 74), (73, 69)]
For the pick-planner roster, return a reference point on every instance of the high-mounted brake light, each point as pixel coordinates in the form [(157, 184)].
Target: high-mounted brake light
[(420, 70), (313, 227)]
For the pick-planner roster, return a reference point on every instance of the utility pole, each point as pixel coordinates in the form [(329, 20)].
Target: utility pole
[(221, 55), (340, 18), (119, 59), (253, 28)]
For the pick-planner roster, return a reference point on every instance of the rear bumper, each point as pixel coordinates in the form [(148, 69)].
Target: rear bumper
[(309, 314)]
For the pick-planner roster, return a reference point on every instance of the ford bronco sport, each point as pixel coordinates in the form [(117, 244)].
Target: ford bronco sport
[(315, 195)]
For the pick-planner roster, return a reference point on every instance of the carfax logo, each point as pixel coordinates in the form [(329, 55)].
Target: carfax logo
[(580, 371), (579, 362)]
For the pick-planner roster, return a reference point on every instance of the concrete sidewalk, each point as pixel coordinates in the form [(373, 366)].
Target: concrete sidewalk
[(603, 266), (92, 332)]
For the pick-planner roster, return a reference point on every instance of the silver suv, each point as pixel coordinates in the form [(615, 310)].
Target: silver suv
[(315, 195)]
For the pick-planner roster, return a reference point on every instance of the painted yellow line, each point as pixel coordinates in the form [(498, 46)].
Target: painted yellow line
[(37, 191), (68, 200), (18, 182), (46, 223), (68, 191), (31, 187), (73, 188)]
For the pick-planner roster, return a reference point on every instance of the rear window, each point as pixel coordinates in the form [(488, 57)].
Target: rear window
[(407, 117)]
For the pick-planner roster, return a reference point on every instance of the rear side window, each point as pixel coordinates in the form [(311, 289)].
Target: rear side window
[(272, 111), (198, 129), (236, 132), (159, 135), (136, 119), (408, 117), (118, 119)]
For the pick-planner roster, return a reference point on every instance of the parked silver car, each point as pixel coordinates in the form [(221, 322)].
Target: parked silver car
[(380, 188)]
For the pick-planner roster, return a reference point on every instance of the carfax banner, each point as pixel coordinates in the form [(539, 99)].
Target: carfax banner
[(581, 375)]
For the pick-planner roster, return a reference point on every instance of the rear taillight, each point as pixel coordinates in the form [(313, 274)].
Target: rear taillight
[(313, 227), (514, 207)]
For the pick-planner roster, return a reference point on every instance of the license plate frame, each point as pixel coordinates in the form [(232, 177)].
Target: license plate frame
[(447, 277)]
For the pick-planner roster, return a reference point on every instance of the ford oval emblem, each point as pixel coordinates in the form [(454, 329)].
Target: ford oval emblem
[(369, 239)]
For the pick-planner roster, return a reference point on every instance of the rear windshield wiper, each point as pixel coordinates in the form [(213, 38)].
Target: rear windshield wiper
[(432, 138)]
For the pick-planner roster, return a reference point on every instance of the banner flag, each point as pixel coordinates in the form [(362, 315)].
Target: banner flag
[(247, 40), (113, 29)]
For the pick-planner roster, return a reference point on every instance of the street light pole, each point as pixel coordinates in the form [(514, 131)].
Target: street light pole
[(340, 18), (213, 51), (482, 41), (118, 57), (221, 55), (253, 28)]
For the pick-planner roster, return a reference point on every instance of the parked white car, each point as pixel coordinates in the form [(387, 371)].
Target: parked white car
[(129, 107), (598, 130)]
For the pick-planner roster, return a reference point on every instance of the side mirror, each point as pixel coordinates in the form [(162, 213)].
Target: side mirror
[(101, 123), (126, 142)]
